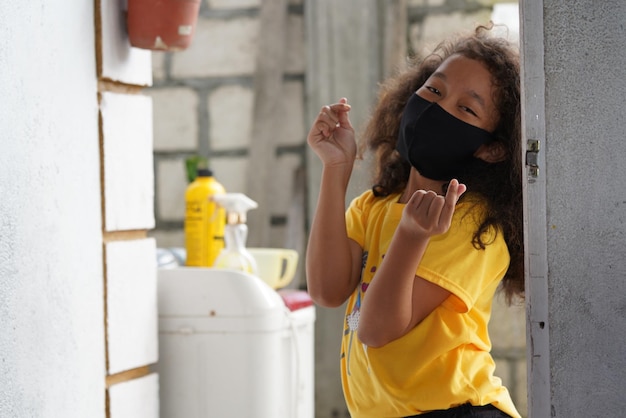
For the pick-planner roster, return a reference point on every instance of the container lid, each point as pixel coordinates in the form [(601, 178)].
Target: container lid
[(205, 172), (203, 292), (295, 299)]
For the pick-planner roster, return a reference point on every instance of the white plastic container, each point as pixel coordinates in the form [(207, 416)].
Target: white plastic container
[(230, 347)]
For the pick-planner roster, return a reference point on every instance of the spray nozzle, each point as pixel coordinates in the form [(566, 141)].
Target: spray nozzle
[(236, 205)]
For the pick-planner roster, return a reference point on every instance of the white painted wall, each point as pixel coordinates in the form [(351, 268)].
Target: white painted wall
[(52, 360)]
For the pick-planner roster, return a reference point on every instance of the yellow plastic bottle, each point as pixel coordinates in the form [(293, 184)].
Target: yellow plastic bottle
[(204, 220)]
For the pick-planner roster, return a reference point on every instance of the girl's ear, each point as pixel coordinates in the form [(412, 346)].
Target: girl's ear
[(491, 153)]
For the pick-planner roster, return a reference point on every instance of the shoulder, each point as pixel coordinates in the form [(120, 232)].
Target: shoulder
[(364, 199), (368, 199), (367, 206), (470, 213)]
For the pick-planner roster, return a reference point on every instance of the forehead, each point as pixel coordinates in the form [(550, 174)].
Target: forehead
[(466, 74)]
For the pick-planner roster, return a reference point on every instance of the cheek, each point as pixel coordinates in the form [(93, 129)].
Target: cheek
[(492, 120)]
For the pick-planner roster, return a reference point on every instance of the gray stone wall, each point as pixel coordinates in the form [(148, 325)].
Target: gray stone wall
[(576, 222), (203, 104)]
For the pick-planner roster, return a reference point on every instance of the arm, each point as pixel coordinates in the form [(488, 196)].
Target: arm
[(333, 261), (397, 300)]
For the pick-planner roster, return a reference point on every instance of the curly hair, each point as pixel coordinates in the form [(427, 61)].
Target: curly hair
[(498, 183)]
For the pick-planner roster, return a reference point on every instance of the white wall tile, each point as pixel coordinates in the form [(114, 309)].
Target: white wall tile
[(128, 161), (137, 398), (120, 61), (131, 304)]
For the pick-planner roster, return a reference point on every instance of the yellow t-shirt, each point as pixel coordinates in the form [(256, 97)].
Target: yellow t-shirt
[(444, 361)]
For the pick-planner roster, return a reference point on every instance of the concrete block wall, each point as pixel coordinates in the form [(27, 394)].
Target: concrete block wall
[(127, 181), (430, 21), (203, 104)]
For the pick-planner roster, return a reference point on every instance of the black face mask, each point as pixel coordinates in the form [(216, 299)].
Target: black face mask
[(439, 145)]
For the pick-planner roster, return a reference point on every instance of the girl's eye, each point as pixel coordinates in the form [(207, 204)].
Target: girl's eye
[(468, 110), (433, 90)]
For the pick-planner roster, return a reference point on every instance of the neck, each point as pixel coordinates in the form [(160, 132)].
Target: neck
[(418, 182)]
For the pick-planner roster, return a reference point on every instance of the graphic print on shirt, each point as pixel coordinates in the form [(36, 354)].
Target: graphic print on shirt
[(352, 319)]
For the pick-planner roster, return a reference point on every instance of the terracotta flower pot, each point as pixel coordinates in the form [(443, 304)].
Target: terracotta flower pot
[(163, 25)]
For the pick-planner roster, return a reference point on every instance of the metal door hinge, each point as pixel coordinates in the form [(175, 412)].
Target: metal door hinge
[(532, 157)]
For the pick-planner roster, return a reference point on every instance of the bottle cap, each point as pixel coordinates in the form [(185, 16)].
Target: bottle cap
[(204, 172)]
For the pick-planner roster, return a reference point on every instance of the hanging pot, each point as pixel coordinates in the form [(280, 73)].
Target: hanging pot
[(162, 25)]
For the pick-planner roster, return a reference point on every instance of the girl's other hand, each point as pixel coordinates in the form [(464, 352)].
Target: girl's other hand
[(332, 135), (427, 214)]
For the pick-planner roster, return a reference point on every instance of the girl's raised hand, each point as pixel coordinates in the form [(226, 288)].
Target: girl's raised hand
[(332, 135), (427, 213)]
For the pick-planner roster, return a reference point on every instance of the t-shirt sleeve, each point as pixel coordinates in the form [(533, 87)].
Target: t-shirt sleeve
[(453, 262), (356, 217)]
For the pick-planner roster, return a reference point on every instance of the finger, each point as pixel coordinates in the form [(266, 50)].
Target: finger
[(327, 113), (436, 206), (455, 190), (416, 199), (330, 117), (341, 105), (344, 120), (430, 205), (340, 112), (423, 202), (460, 189), (321, 130), (323, 127)]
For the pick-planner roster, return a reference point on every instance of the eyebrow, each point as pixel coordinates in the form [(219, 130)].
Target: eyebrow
[(479, 99), (439, 75)]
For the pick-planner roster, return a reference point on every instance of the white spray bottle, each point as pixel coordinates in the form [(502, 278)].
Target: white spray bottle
[(234, 255)]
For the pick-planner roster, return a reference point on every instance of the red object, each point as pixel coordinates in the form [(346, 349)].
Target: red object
[(162, 25), (295, 299)]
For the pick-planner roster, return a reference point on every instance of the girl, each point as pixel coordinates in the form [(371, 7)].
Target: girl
[(417, 257)]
